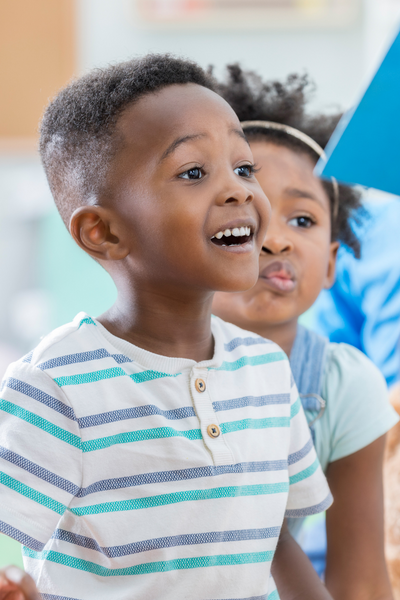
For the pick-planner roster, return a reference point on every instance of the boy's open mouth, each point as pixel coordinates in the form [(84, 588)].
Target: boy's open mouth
[(233, 237)]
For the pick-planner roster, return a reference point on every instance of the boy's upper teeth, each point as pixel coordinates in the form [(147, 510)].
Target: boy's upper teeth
[(236, 232)]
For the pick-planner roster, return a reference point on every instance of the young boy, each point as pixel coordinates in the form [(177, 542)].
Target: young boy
[(343, 393), (152, 453)]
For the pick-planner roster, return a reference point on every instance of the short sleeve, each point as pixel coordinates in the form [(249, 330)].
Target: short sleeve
[(357, 404), (308, 489), (40, 455)]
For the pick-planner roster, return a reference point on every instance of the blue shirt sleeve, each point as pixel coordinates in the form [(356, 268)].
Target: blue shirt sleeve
[(363, 307)]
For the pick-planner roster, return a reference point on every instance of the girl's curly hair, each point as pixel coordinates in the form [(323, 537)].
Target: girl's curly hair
[(285, 102)]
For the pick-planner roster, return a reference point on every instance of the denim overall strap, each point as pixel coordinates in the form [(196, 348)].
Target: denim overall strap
[(307, 361)]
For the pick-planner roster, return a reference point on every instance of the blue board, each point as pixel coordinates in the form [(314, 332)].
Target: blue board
[(365, 146)]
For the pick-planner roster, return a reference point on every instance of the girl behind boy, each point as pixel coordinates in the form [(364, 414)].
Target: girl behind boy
[(343, 394)]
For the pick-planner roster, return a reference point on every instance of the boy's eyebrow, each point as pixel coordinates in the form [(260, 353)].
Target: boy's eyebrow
[(181, 140), (241, 134), (188, 138)]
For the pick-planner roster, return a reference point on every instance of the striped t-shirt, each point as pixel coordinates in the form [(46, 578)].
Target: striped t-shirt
[(126, 474)]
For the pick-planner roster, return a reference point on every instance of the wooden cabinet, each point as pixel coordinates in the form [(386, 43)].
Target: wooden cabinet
[(37, 57)]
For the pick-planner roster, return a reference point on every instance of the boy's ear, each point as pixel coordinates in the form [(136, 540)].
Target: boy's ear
[(96, 232), (331, 271)]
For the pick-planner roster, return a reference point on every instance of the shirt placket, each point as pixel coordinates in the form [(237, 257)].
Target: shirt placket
[(213, 437)]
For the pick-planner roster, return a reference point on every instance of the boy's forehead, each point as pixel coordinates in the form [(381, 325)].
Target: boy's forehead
[(176, 110)]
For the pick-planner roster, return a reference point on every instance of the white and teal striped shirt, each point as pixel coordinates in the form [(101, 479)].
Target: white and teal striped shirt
[(110, 478)]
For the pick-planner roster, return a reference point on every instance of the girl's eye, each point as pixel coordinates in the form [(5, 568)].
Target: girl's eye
[(244, 170), (195, 173), (305, 222)]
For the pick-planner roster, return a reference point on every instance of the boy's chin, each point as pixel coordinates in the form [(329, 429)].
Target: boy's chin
[(238, 284)]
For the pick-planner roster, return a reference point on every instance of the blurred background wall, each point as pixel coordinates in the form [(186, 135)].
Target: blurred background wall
[(45, 279)]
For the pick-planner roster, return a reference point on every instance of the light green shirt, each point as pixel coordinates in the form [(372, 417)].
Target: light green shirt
[(357, 408)]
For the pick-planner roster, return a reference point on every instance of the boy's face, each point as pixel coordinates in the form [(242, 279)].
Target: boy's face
[(298, 258), (182, 176)]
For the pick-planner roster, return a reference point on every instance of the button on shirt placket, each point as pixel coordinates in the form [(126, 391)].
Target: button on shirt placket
[(213, 438)]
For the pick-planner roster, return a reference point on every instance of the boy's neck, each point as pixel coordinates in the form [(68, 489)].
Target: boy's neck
[(282, 334), (168, 324)]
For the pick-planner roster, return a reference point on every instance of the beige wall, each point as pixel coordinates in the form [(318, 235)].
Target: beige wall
[(37, 57)]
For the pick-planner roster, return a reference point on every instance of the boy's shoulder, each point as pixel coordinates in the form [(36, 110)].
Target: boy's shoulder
[(236, 348), (235, 337), (84, 340), (70, 339)]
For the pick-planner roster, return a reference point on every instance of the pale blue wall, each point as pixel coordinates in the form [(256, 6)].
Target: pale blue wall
[(110, 31)]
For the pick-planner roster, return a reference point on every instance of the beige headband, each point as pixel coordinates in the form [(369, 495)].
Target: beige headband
[(306, 140)]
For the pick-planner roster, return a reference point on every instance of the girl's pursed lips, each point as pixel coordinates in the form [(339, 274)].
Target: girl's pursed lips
[(279, 268), (280, 275)]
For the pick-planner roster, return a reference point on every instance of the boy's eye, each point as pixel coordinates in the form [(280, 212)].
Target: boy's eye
[(244, 170), (304, 222), (195, 173)]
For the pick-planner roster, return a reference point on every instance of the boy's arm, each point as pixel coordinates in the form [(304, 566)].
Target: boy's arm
[(293, 573), (17, 585), (40, 455)]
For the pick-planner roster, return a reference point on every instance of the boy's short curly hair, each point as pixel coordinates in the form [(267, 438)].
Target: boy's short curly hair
[(78, 130), (285, 102)]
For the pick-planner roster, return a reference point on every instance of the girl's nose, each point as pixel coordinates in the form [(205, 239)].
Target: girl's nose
[(276, 242)]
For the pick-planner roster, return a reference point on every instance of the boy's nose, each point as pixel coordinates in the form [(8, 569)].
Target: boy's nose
[(234, 192), (238, 199)]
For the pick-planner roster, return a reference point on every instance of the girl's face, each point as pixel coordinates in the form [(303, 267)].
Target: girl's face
[(298, 258)]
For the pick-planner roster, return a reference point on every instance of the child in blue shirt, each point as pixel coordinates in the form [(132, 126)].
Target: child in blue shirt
[(362, 308), (343, 393)]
